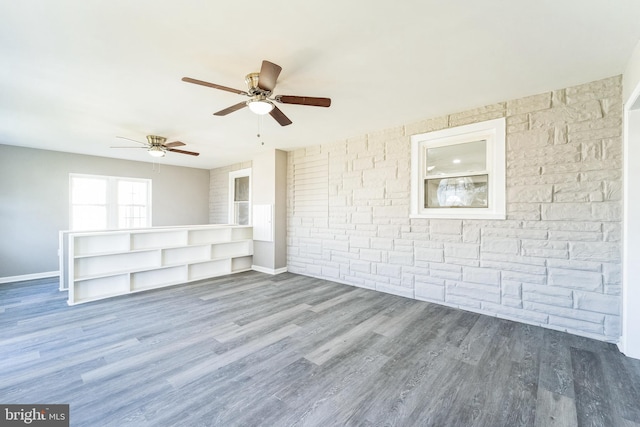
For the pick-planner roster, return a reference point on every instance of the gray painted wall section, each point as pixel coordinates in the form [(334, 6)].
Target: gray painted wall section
[(34, 201)]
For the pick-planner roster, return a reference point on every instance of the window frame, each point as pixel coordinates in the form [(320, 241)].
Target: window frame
[(491, 131), (232, 190), (111, 204)]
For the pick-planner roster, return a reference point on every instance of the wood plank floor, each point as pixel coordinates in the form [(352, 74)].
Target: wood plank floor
[(288, 350)]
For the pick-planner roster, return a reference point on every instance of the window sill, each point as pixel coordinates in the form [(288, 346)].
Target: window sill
[(460, 215)]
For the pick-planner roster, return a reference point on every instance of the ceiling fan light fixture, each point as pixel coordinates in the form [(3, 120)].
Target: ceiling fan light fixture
[(156, 151), (260, 106)]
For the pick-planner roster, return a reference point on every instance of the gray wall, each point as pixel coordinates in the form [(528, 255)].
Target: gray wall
[(34, 201)]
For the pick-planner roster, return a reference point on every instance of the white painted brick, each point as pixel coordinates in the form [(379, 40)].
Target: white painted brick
[(429, 254), (569, 313), (361, 164), (549, 295), (595, 251), (462, 250), (529, 104), (545, 249), (566, 143), (401, 258), (446, 226), (370, 255), (335, 245), (388, 270), (359, 242), (395, 290), (583, 280), (524, 211), (511, 302), (360, 266), (566, 211), (612, 274), (515, 276), (429, 292), (532, 139), (503, 246), (481, 275), (511, 289), (463, 261), (575, 325), (600, 303), (606, 211), (570, 264), (515, 313), (462, 301), (612, 326), (530, 194), (367, 194), (383, 243), (391, 211), (361, 218), (479, 292)]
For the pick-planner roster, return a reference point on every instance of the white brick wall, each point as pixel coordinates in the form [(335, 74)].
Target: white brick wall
[(554, 262)]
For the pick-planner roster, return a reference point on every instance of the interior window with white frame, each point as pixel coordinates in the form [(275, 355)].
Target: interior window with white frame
[(240, 197), (459, 172), (108, 202)]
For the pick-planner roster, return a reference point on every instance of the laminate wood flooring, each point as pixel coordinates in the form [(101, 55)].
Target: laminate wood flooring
[(288, 350)]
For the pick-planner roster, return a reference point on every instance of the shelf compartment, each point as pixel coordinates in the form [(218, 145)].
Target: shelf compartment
[(232, 249), (185, 254), (158, 278), (241, 263), (158, 239), (87, 267), (91, 289), (203, 270), (242, 233), (100, 244), (210, 235)]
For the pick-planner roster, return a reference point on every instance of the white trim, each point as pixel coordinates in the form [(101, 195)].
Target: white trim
[(494, 132), (629, 345), (232, 189), (34, 276), (269, 270)]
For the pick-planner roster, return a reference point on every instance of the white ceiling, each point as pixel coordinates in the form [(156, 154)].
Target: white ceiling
[(76, 74)]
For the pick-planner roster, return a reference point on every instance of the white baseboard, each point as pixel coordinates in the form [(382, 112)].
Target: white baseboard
[(269, 270), (24, 277)]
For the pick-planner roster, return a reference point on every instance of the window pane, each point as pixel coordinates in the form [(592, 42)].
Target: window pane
[(89, 217), (242, 213), (459, 192), (241, 193), (132, 216), (457, 158), (88, 191), (132, 192)]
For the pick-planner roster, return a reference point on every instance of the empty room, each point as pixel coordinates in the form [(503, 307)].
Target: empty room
[(284, 213)]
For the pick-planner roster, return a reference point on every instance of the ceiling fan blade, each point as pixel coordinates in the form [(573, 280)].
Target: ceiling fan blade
[(191, 153), (213, 85), (118, 146), (268, 75), (231, 109), (175, 144), (280, 117), (132, 140), (304, 100)]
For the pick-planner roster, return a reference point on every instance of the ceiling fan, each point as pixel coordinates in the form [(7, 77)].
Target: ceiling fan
[(260, 89), (157, 146)]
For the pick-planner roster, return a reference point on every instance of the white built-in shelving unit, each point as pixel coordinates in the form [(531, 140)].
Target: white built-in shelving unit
[(104, 264)]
